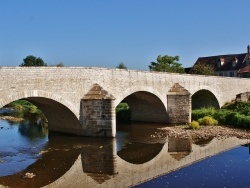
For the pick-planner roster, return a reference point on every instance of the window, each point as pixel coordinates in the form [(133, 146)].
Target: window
[(233, 63), (247, 62)]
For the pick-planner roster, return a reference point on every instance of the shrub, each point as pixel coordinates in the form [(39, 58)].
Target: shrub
[(207, 120), (194, 125), (200, 113), (123, 113)]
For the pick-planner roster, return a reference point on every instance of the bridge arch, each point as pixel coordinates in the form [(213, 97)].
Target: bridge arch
[(204, 98), (134, 89), (59, 112), (146, 104)]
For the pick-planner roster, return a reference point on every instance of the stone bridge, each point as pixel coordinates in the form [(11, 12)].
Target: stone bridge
[(82, 100)]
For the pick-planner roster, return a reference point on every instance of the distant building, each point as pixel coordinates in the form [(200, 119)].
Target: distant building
[(231, 65)]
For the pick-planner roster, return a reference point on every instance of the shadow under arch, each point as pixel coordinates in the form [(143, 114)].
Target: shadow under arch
[(146, 107), (204, 98), (61, 117)]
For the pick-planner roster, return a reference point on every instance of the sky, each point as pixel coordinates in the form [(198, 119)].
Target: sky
[(105, 33)]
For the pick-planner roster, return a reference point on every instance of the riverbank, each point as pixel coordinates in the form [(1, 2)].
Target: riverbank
[(11, 118), (204, 132)]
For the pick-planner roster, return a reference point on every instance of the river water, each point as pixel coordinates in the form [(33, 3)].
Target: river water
[(134, 157)]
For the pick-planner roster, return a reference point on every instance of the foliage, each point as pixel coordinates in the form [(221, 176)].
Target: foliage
[(207, 120), (200, 113), (32, 61), (203, 69), (121, 66), (167, 64), (234, 114), (25, 109), (123, 113), (240, 107), (194, 125), (60, 64)]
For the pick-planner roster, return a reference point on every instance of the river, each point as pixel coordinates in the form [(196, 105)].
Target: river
[(133, 157)]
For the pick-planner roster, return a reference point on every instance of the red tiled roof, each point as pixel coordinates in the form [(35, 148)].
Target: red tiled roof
[(244, 70)]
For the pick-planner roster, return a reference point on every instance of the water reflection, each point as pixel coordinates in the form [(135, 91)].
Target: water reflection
[(133, 157), (135, 143), (18, 148), (125, 174), (99, 160), (179, 148)]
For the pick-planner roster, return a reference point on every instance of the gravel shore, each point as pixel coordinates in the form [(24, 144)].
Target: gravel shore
[(204, 132)]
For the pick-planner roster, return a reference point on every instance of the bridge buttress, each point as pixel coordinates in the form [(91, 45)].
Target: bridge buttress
[(179, 105), (97, 113)]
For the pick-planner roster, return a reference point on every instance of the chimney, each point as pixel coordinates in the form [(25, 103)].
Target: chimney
[(248, 49)]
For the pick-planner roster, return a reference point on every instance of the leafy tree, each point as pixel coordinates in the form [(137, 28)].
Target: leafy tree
[(121, 66), (203, 69), (61, 64), (167, 64), (32, 61)]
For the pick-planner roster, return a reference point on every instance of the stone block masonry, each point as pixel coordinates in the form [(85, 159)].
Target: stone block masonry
[(98, 113), (179, 105), (78, 100)]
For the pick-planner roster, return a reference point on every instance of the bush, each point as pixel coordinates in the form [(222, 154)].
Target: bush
[(200, 113), (240, 107), (123, 113), (207, 120), (194, 125), (235, 114)]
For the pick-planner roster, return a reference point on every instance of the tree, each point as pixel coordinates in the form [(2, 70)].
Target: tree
[(61, 64), (121, 66), (167, 64), (32, 61), (203, 69)]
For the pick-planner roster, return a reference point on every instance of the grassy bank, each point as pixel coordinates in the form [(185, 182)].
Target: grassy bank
[(23, 109), (234, 114)]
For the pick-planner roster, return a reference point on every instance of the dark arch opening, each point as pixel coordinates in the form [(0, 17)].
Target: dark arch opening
[(204, 99), (60, 117), (146, 107)]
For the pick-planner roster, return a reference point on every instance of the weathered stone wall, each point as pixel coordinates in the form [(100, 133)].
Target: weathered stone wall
[(179, 105), (98, 117), (68, 85)]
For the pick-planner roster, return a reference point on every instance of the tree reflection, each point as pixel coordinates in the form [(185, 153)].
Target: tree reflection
[(32, 130)]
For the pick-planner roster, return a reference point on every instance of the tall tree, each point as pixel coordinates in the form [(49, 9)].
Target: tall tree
[(32, 61), (121, 66), (167, 64), (203, 69)]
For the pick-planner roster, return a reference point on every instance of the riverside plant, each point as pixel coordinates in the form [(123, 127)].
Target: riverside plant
[(194, 125), (235, 114), (207, 120)]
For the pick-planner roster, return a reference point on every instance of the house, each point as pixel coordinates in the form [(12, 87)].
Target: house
[(231, 65)]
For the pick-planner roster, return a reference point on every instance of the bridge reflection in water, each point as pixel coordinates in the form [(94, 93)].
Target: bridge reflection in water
[(99, 165)]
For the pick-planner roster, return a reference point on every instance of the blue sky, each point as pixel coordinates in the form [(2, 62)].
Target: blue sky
[(104, 33)]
